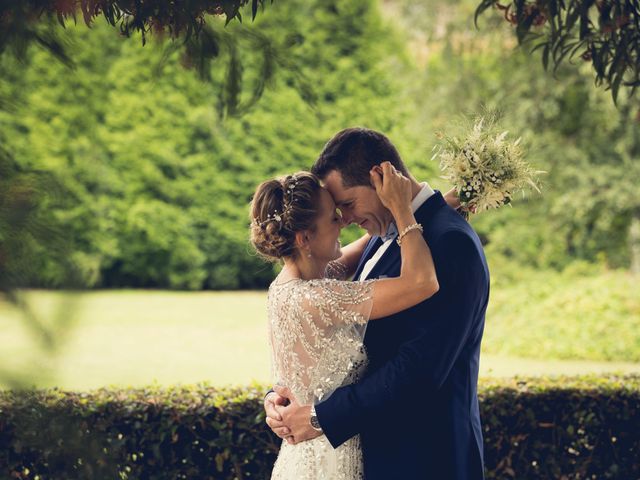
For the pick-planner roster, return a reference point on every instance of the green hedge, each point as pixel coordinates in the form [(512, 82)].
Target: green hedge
[(562, 428), (586, 427)]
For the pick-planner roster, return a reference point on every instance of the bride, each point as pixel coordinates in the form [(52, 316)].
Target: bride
[(316, 317)]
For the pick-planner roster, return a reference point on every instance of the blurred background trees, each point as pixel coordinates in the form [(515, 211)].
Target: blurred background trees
[(157, 171)]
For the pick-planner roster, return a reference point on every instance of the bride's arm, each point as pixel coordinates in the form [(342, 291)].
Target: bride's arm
[(352, 252), (417, 280)]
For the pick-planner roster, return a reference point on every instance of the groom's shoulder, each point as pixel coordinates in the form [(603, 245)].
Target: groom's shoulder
[(447, 220), (449, 227)]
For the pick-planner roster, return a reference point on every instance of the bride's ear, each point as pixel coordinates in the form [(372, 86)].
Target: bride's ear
[(302, 239)]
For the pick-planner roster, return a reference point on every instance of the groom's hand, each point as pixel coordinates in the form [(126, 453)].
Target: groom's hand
[(295, 418)]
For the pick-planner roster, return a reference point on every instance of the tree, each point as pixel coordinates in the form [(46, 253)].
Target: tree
[(40, 212), (19, 17), (588, 146), (161, 183), (191, 27), (603, 32)]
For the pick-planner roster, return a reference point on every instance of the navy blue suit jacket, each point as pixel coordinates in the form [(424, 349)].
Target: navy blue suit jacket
[(416, 409)]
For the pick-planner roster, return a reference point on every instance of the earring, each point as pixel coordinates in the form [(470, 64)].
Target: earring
[(309, 254)]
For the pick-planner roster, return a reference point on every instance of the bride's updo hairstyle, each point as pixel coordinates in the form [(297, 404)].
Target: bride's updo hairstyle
[(280, 208)]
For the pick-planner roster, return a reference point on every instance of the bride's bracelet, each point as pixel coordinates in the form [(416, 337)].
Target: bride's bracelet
[(415, 226)]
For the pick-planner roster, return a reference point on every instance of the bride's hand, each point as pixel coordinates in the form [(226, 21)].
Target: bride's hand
[(393, 188), (295, 418), (453, 200)]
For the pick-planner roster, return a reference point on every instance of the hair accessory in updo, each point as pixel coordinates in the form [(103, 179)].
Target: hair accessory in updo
[(279, 216)]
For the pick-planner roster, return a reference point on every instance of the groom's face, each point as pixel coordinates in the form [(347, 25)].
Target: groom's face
[(359, 205)]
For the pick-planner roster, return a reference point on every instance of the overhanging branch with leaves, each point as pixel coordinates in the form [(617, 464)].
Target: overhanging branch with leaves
[(23, 23), (603, 32), (178, 18)]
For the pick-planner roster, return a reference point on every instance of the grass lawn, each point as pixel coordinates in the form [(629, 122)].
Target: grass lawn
[(137, 337), (579, 314)]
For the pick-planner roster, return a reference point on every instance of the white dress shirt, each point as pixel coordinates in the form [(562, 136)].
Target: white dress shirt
[(425, 192)]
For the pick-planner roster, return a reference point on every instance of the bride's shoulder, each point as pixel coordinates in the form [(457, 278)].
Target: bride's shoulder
[(309, 287), (324, 289), (300, 282), (323, 283)]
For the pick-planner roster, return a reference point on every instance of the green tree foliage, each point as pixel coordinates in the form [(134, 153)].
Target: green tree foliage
[(191, 28), (570, 129), (20, 18), (158, 177), (604, 33), (161, 182)]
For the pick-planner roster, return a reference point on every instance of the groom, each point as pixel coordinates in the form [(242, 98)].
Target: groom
[(416, 410)]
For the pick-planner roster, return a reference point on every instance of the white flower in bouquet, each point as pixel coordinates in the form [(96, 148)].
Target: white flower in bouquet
[(485, 168)]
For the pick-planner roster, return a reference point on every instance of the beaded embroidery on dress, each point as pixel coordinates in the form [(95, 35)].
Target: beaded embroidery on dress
[(316, 331)]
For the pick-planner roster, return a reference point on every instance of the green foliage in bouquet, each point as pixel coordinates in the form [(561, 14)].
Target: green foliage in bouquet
[(573, 428)]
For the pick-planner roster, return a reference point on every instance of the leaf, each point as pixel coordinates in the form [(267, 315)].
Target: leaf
[(615, 86), (617, 63), (522, 30), (484, 5), (572, 16), (585, 30), (599, 61), (577, 47), (565, 49), (61, 19), (233, 85), (545, 57)]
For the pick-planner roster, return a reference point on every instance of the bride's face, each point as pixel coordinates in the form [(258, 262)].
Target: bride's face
[(324, 240)]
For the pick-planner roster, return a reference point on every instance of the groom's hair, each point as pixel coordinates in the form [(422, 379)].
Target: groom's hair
[(353, 152)]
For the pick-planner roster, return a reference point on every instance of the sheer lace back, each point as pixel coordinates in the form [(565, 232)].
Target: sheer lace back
[(316, 332), (316, 329)]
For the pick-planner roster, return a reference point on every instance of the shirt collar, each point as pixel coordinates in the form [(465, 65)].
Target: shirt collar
[(422, 196)]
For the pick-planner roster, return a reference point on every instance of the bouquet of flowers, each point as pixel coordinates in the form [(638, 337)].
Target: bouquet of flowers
[(484, 166)]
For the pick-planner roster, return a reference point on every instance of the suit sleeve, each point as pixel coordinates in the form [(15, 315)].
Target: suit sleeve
[(424, 362)]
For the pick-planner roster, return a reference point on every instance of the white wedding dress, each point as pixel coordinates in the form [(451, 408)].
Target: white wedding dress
[(316, 329)]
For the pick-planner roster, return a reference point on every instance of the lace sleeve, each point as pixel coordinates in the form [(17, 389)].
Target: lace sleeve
[(334, 302), (336, 270)]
